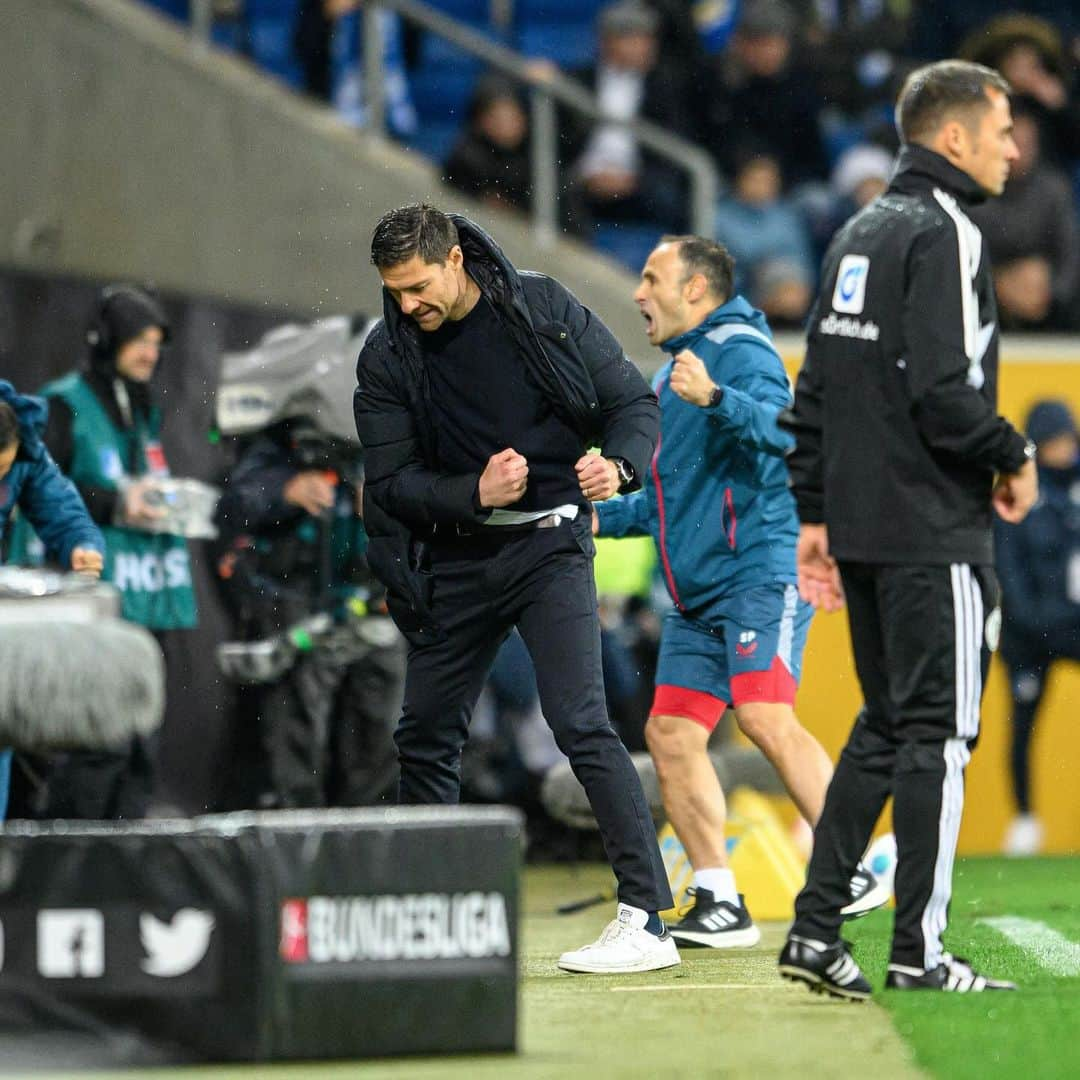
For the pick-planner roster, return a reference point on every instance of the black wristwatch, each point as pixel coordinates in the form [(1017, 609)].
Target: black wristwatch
[(715, 396), (625, 470)]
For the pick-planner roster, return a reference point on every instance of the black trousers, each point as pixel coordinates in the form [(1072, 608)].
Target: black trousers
[(1029, 660), (920, 636), (540, 581)]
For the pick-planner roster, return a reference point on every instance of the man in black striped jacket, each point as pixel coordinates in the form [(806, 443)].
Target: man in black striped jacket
[(900, 462)]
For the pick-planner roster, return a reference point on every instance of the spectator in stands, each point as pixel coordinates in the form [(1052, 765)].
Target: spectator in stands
[(328, 47), (768, 239), (293, 547), (760, 93), (1038, 562), (1030, 53), (856, 49), (1032, 235), (613, 179), (860, 174), (681, 44), (312, 35), (942, 29), (491, 159), (104, 431)]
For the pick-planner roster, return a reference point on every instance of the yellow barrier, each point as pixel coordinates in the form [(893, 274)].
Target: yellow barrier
[(829, 696), (761, 855)]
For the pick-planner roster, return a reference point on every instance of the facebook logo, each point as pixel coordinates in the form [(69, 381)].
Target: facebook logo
[(71, 943), (849, 295)]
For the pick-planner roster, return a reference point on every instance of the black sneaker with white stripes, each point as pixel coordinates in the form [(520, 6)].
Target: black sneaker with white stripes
[(952, 974), (867, 894), (715, 924), (825, 969)]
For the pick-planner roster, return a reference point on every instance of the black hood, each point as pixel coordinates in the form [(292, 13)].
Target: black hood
[(919, 168)]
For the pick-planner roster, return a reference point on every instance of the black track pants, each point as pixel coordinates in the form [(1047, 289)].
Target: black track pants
[(920, 636)]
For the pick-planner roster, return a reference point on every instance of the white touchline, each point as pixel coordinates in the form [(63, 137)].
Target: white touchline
[(701, 986), (1051, 950)]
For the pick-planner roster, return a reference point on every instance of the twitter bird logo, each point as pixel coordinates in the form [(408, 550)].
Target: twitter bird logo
[(176, 947)]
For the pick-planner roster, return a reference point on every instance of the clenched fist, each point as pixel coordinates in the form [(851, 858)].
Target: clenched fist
[(690, 379), (504, 479), (597, 477)]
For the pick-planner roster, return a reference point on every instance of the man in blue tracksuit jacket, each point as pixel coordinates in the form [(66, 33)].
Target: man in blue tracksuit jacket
[(716, 502), (31, 481)]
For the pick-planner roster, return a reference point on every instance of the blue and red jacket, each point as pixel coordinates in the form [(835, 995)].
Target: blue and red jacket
[(716, 498)]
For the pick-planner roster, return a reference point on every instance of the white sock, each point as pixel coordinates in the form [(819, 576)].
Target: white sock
[(719, 881)]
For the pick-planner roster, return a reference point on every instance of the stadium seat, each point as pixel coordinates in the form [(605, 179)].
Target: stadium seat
[(473, 12), (178, 9), (271, 9), (570, 45), (838, 134), (229, 34), (442, 95), (434, 140), (270, 41), (628, 243), (529, 12)]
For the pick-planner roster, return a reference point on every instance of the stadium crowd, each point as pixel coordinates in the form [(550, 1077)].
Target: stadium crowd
[(793, 100)]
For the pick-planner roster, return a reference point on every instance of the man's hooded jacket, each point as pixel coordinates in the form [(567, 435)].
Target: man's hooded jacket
[(568, 353)]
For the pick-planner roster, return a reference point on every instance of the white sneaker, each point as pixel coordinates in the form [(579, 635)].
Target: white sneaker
[(866, 892), (625, 945), (1024, 836)]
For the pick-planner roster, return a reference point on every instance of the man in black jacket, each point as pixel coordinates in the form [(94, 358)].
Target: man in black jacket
[(900, 461), (478, 395)]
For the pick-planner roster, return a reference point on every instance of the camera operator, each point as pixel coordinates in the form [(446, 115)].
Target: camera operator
[(293, 547)]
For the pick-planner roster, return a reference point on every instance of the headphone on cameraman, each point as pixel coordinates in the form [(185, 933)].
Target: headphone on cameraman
[(99, 334)]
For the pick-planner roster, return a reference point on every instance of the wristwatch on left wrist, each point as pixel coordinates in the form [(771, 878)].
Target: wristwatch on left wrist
[(625, 471), (715, 396)]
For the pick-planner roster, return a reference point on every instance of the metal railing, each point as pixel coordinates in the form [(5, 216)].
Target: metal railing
[(544, 93)]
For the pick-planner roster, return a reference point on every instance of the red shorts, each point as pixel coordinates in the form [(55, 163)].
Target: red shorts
[(774, 685)]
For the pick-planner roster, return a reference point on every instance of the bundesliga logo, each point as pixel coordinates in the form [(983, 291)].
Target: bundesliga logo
[(427, 926)]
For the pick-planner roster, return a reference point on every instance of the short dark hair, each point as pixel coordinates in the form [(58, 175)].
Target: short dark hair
[(945, 90), (417, 229), (9, 426), (709, 258)]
